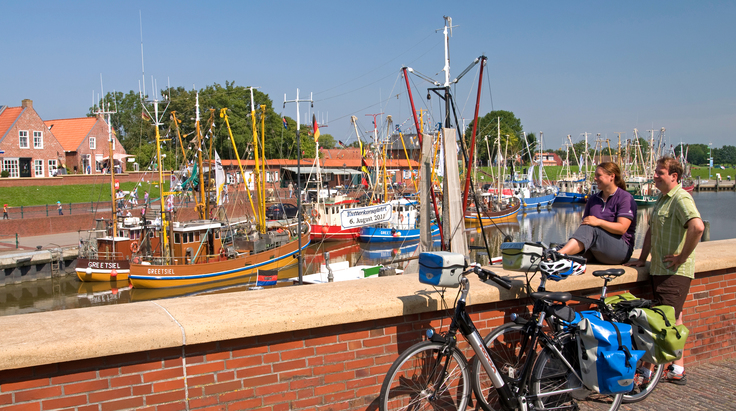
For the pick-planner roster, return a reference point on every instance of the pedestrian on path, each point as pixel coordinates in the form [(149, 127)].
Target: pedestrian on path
[(675, 228), (145, 197), (5, 212), (291, 189), (58, 203)]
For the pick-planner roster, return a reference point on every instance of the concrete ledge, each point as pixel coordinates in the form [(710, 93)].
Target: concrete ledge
[(61, 336)]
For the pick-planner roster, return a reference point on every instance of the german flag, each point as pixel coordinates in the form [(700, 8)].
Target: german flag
[(315, 127)]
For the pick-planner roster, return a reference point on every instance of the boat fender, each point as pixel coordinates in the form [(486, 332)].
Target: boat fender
[(401, 218), (134, 247)]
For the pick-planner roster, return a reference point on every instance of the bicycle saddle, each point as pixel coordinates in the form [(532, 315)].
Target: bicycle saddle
[(559, 296), (612, 272)]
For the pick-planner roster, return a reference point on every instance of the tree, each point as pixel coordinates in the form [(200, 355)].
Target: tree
[(511, 138), (697, 154)]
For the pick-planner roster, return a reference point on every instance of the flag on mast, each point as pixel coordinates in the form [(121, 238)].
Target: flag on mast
[(316, 128), (219, 177)]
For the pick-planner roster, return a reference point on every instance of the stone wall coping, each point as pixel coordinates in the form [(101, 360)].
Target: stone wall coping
[(84, 333)]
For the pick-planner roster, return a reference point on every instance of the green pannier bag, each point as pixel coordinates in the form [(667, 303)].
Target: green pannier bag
[(654, 331)]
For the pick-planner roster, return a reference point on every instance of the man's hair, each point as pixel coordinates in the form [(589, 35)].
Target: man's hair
[(672, 165)]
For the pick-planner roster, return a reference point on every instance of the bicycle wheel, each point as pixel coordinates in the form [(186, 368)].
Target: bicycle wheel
[(415, 380), (641, 390), (554, 386), (504, 347)]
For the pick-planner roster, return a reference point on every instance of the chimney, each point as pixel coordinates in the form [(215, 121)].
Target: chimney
[(27, 103)]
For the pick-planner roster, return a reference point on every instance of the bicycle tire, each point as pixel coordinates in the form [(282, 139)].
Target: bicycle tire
[(503, 345), (410, 380), (639, 393), (550, 374)]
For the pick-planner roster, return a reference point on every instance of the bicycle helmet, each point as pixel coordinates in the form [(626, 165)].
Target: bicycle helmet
[(561, 269)]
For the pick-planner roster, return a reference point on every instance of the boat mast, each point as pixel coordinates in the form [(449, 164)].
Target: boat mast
[(263, 165), (223, 114), (203, 211), (260, 221), (111, 161), (475, 128), (299, 180)]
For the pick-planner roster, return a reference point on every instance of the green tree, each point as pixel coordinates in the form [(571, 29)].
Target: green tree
[(510, 131)]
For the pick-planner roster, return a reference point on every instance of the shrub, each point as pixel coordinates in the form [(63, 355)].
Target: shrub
[(5, 174)]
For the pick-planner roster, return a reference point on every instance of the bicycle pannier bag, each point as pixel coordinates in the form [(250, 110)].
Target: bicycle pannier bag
[(607, 361), (441, 268), (521, 256), (654, 330)]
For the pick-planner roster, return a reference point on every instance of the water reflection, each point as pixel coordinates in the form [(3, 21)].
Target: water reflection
[(550, 225)]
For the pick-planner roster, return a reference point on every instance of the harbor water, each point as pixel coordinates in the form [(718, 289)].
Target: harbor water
[(548, 225)]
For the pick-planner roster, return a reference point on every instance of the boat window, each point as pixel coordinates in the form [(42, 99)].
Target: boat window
[(191, 238), (196, 237), (217, 234), (177, 238)]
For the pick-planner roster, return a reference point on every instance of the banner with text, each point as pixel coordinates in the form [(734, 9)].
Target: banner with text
[(359, 217)]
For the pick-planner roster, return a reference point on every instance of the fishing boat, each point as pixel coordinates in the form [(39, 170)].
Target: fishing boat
[(107, 258), (197, 253), (491, 211), (530, 195), (403, 226), (573, 187), (271, 251), (342, 271)]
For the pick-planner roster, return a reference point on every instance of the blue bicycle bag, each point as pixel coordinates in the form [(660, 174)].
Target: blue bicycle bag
[(607, 359)]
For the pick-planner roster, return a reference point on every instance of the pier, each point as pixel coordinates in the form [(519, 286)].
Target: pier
[(328, 348), (714, 185)]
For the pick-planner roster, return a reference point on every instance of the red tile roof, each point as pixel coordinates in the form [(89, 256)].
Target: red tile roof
[(70, 132), (7, 118)]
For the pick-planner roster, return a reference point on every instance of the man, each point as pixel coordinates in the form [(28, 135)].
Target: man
[(291, 189), (674, 230)]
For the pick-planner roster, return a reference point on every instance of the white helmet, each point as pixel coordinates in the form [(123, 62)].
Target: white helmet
[(561, 269)]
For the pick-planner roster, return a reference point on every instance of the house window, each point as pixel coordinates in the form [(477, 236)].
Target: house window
[(23, 139), (92, 143), (38, 140), (11, 165), (52, 167), (38, 168)]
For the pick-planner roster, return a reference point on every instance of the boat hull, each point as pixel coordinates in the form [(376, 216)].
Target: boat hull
[(333, 233), (168, 276), (541, 201), (388, 235), (503, 216), (100, 270), (645, 200), (566, 197)]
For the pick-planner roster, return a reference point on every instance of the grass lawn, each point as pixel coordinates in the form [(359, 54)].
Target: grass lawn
[(87, 193)]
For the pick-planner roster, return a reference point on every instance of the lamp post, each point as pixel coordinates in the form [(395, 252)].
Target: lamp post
[(710, 159)]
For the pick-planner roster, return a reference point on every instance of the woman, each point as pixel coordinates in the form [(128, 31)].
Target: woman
[(606, 234)]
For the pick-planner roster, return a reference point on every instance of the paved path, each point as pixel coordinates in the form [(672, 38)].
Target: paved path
[(709, 387)]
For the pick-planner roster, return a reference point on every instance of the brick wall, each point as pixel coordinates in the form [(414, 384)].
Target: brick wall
[(30, 121), (330, 368)]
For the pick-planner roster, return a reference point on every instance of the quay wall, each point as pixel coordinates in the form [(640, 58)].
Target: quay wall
[(318, 347)]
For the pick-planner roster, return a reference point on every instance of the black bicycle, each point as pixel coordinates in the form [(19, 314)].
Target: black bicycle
[(513, 344), (542, 374)]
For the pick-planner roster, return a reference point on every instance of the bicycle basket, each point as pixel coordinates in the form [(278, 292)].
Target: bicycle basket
[(521, 256), (441, 268)]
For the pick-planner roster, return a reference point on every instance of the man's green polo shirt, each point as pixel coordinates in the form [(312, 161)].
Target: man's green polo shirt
[(667, 222)]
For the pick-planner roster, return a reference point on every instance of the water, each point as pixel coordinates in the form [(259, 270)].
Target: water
[(553, 225)]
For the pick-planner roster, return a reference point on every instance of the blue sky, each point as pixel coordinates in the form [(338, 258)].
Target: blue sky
[(562, 67)]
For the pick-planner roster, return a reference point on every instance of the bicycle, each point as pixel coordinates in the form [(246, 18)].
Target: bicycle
[(435, 372), (510, 343)]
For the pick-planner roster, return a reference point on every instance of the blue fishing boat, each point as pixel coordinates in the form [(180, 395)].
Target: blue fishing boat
[(403, 226)]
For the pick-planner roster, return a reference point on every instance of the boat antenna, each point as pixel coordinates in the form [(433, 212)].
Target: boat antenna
[(143, 67)]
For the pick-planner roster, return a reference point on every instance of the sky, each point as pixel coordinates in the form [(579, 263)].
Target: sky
[(563, 68)]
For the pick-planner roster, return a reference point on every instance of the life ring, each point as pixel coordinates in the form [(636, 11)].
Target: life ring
[(401, 218), (315, 213), (134, 247), (223, 252)]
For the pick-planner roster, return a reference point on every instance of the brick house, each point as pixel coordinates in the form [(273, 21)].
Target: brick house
[(548, 159), (27, 147), (86, 145)]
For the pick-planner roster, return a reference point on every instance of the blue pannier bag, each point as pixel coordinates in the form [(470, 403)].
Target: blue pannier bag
[(607, 359)]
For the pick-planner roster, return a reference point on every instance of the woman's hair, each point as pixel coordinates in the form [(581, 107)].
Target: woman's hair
[(612, 170)]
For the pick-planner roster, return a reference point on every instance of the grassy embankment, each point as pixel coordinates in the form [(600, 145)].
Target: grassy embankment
[(553, 172), (83, 193)]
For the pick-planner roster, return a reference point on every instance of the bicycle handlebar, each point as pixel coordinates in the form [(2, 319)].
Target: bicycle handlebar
[(486, 275)]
